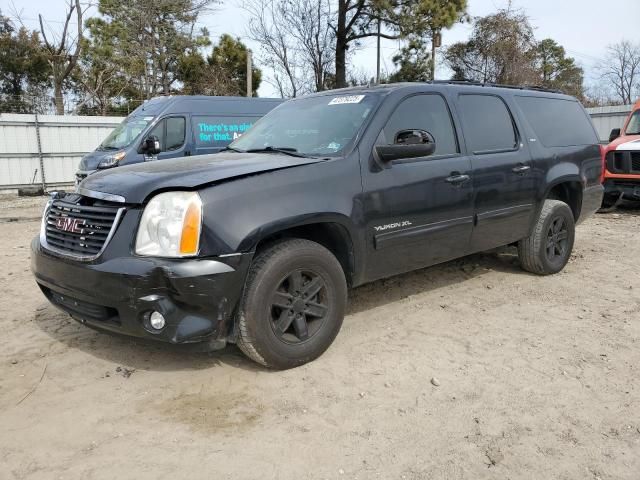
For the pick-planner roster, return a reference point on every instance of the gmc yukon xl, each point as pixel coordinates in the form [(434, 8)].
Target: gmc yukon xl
[(257, 245)]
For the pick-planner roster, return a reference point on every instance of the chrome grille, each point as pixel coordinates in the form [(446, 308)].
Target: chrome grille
[(77, 230)]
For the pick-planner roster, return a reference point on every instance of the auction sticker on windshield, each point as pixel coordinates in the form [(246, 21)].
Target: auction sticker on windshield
[(346, 99)]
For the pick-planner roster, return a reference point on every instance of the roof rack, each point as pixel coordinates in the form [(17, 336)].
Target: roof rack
[(537, 88)]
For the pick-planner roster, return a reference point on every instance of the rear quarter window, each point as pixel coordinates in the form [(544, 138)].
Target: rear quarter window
[(557, 122), (220, 131)]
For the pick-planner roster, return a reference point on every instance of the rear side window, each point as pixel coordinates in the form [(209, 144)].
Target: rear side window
[(487, 123), (424, 112), (557, 122), (219, 131)]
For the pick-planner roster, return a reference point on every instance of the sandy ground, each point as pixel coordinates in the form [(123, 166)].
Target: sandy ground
[(538, 379)]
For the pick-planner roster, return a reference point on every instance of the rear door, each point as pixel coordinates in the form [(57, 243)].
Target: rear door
[(418, 210), (504, 183)]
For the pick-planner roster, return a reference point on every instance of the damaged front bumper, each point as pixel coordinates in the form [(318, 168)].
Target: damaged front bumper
[(197, 297)]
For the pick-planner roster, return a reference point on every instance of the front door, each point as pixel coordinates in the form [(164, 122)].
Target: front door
[(418, 210), (172, 133), (504, 181)]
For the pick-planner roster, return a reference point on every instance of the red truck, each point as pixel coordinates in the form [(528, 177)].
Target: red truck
[(622, 162)]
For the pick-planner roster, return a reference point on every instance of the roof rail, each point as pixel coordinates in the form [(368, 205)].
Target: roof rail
[(537, 88)]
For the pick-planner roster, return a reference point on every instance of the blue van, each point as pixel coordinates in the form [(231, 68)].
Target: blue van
[(179, 126)]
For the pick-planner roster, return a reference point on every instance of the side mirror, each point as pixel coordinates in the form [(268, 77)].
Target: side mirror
[(615, 133), (412, 143), (151, 145)]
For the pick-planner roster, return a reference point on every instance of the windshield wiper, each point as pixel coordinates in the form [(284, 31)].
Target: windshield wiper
[(232, 149), (292, 152), (106, 148)]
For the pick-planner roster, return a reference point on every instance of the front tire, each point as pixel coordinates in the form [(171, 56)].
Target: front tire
[(548, 248), (293, 305)]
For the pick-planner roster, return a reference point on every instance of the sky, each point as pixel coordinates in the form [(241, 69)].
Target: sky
[(583, 27)]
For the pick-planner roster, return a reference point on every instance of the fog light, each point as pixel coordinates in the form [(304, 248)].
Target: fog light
[(157, 321)]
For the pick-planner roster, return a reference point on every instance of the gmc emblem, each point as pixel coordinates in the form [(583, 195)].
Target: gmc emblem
[(68, 224)]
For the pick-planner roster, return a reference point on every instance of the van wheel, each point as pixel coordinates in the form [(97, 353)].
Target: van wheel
[(293, 304), (548, 248)]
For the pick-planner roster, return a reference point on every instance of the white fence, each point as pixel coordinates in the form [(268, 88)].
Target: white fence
[(607, 118), (46, 149)]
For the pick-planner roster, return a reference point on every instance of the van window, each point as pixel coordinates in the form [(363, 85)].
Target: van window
[(218, 132), (487, 123), (171, 133), (557, 122), (424, 112), (175, 132)]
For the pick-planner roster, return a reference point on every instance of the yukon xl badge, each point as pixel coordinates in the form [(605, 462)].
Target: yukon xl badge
[(388, 226), (68, 224)]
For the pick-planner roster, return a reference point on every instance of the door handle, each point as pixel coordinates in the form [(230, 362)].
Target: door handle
[(456, 178), (521, 169)]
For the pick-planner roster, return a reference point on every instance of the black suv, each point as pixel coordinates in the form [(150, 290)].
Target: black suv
[(258, 245)]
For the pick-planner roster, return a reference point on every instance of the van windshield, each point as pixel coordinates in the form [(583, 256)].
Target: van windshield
[(633, 128), (124, 134), (313, 126)]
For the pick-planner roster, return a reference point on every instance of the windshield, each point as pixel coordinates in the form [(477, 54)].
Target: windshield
[(633, 128), (314, 126), (124, 134)]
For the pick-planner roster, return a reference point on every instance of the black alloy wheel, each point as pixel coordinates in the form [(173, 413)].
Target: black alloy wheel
[(299, 306), (557, 239)]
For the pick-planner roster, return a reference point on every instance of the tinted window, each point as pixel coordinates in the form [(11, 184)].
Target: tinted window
[(175, 132), (218, 132), (487, 123), (424, 112), (557, 122)]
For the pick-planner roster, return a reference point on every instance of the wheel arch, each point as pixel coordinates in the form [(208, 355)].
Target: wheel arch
[(331, 231)]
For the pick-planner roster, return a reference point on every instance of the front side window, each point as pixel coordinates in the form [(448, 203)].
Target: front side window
[(424, 112), (170, 132), (487, 123), (126, 133), (315, 126), (175, 132), (633, 127)]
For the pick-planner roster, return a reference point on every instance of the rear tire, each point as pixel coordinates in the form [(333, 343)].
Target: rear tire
[(293, 305), (548, 249)]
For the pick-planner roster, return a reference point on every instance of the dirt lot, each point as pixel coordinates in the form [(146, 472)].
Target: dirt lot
[(538, 379)]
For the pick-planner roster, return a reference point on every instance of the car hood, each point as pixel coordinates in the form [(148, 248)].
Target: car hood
[(625, 142), (136, 182)]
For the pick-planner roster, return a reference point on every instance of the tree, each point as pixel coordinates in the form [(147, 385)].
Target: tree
[(413, 63), (557, 71), (229, 60), (359, 19), (150, 39), (501, 49), (63, 54), (100, 80), (621, 70), (297, 42), (23, 68)]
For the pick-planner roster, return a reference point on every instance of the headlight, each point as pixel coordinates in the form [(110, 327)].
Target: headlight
[(170, 225), (111, 160)]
